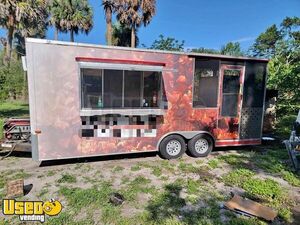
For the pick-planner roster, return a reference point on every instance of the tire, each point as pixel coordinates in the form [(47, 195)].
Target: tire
[(172, 147), (200, 145)]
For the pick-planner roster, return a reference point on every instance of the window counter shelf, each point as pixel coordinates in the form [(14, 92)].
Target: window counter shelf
[(127, 112)]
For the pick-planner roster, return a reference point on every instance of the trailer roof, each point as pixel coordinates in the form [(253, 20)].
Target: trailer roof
[(191, 54)]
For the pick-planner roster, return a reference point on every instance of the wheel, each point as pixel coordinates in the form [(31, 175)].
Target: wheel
[(200, 145), (172, 147)]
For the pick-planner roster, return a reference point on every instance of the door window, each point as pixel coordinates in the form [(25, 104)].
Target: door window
[(231, 89)]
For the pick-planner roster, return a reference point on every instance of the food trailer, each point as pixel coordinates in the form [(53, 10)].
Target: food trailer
[(91, 100)]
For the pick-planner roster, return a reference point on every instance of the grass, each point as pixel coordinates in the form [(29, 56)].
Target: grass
[(187, 168), (176, 202), (263, 189), (291, 178), (267, 190), (79, 198), (43, 192), (285, 214), (138, 185), (192, 186), (12, 109), (274, 161), (117, 169), (237, 177), (67, 178), (135, 168), (157, 171), (51, 173), (11, 175), (213, 163)]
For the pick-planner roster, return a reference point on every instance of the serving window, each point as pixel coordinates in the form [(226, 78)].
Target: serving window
[(206, 82), (113, 88)]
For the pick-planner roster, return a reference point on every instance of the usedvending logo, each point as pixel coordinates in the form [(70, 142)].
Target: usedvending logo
[(31, 210)]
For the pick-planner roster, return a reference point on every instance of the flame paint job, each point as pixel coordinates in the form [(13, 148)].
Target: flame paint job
[(54, 91)]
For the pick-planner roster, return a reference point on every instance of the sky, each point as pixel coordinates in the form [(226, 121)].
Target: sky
[(200, 23)]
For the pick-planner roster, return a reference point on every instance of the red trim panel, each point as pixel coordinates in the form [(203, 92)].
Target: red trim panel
[(238, 142), (120, 61)]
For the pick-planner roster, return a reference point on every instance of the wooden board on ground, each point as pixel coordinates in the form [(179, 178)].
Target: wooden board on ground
[(249, 207), (15, 188)]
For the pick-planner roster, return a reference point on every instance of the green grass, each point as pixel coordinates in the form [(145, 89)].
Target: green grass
[(285, 214), (192, 186), (168, 166), (8, 175), (213, 163), (274, 161), (156, 171), (67, 178), (93, 197), (139, 185), (12, 109), (117, 169), (187, 168), (237, 177), (291, 178), (135, 168), (235, 160), (51, 173), (263, 189)]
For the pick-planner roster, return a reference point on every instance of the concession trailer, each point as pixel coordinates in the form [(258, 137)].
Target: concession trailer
[(90, 100)]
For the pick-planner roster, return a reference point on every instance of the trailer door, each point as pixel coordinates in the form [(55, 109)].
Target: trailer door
[(230, 99)]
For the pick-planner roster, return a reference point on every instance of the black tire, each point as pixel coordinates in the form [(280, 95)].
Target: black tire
[(205, 145), (172, 141)]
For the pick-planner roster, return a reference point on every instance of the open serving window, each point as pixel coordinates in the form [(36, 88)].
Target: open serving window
[(121, 89)]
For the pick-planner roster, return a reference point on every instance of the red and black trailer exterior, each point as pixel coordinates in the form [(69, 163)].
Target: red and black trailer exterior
[(90, 100)]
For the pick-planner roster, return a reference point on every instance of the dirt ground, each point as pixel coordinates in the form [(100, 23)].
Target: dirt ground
[(157, 191)]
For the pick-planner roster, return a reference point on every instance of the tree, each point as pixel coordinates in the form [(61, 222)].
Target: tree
[(282, 46), (25, 16), (204, 50), (11, 79), (284, 75), (109, 6), (232, 48), (56, 15), (73, 16), (134, 13), (121, 35), (265, 43), (168, 43), (290, 27)]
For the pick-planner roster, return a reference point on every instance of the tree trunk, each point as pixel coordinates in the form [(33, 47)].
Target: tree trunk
[(72, 35), (55, 33), (108, 27), (133, 36), (25, 88), (10, 33)]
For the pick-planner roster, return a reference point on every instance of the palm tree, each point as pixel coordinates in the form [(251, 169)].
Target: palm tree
[(134, 13), (56, 12), (73, 16), (25, 16), (121, 35), (109, 6)]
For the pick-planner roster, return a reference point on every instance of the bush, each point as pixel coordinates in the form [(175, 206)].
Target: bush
[(11, 81)]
